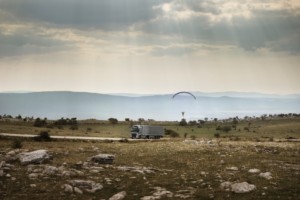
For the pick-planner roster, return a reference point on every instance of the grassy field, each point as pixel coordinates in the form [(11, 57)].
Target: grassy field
[(283, 128), (189, 169)]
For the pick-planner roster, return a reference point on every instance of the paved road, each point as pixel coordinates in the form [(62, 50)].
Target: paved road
[(66, 137)]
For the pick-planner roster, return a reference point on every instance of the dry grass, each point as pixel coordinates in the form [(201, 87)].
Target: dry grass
[(181, 166)]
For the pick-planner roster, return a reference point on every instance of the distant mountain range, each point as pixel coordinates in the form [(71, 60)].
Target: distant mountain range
[(83, 105)]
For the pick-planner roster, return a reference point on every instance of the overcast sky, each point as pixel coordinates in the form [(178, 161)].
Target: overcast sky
[(150, 46)]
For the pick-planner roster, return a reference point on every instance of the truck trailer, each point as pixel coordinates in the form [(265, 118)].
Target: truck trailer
[(147, 132)]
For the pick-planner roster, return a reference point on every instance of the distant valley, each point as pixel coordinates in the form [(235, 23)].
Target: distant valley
[(82, 105)]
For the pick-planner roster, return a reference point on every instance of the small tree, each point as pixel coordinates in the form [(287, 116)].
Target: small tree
[(39, 122), (183, 122), (113, 121)]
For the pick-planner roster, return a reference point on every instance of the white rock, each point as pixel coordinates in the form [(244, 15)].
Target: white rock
[(77, 190), (232, 168), (89, 186), (103, 158), (254, 171), (243, 187), (32, 185), (266, 175), (33, 175), (225, 185), (34, 157), (68, 188), (118, 196), (50, 170)]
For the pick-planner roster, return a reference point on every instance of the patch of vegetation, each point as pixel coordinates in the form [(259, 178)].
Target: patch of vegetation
[(16, 143), (43, 136), (171, 133)]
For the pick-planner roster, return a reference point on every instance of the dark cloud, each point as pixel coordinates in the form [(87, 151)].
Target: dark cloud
[(92, 14), (25, 43), (275, 29)]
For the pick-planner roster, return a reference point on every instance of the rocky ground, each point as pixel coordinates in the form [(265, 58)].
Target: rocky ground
[(175, 169)]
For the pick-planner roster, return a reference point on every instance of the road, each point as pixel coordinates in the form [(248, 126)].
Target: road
[(66, 137)]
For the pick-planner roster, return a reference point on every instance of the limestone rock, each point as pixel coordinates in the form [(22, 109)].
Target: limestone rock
[(254, 171), (232, 169), (118, 196), (243, 187), (103, 158), (266, 175), (68, 188), (225, 185), (89, 186), (34, 157)]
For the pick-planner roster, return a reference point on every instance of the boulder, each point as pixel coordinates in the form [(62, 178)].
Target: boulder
[(103, 158), (118, 196), (243, 187), (34, 157), (68, 188)]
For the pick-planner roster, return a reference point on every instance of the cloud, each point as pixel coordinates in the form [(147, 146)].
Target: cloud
[(93, 14), (61, 24)]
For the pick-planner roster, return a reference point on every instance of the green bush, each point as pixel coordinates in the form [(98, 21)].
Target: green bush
[(16, 144), (193, 137), (217, 135), (171, 133), (43, 136)]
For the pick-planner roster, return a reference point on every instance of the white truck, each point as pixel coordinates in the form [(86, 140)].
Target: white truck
[(147, 132)]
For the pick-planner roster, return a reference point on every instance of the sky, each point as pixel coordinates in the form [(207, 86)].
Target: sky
[(150, 46)]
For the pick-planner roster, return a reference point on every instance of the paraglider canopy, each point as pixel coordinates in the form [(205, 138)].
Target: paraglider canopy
[(183, 93)]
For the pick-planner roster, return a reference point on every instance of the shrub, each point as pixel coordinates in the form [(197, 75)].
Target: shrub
[(124, 140), (246, 129), (193, 137), (171, 133), (88, 129), (185, 135), (74, 127), (16, 144), (39, 122), (43, 136), (217, 135), (183, 122), (226, 129)]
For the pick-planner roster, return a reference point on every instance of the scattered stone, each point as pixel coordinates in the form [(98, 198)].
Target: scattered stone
[(50, 170), (1, 173), (225, 185), (222, 162), (141, 170), (13, 178), (103, 158), (266, 175), (77, 190), (254, 171), (118, 196), (34, 157), (158, 194), (89, 186), (33, 175), (243, 187), (232, 169), (68, 188), (193, 142), (32, 185)]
